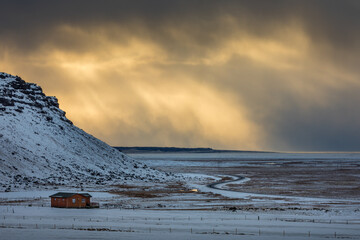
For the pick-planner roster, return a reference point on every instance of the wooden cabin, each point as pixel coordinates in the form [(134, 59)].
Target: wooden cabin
[(70, 200)]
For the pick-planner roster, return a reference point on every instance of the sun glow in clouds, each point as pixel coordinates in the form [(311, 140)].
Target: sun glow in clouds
[(222, 79)]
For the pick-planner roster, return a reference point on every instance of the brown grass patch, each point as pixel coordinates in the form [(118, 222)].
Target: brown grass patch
[(136, 194), (153, 193), (126, 186)]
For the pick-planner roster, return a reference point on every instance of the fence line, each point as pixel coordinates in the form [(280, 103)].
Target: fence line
[(178, 229), (186, 219)]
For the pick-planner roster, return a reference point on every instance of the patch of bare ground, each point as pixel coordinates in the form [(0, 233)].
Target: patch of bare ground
[(185, 209), (101, 229), (19, 201), (124, 186), (13, 202), (266, 209), (225, 178), (136, 194), (148, 192)]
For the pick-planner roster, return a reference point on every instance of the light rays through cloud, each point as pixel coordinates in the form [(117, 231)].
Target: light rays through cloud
[(232, 76)]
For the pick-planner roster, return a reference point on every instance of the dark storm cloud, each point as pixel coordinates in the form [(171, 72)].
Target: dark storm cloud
[(286, 70), (31, 22), (334, 128)]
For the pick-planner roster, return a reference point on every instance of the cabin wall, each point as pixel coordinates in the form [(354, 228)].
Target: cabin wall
[(58, 202), (76, 201)]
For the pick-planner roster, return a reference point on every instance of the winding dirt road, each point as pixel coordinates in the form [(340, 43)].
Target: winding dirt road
[(215, 184)]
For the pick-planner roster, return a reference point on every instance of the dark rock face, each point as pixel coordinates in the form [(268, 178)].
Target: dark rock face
[(6, 102), (18, 94)]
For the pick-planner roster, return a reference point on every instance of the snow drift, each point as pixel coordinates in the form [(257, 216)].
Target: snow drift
[(40, 146)]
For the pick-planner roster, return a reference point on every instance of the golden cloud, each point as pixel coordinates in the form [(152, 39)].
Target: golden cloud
[(125, 87)]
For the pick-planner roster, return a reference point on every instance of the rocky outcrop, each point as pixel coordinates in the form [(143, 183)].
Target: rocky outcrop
[(39, 146)]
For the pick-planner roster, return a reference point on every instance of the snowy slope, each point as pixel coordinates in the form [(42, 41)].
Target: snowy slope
[(40, 146)]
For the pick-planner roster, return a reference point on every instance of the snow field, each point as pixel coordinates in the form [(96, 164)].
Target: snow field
[(45, 222)]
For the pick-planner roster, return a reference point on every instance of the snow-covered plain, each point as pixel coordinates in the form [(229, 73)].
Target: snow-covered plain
[(20, 222), (206, 214)]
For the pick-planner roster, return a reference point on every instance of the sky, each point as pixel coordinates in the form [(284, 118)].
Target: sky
[(248, 75)]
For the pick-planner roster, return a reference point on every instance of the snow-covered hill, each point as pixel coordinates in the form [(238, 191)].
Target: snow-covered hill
[(39, 146)]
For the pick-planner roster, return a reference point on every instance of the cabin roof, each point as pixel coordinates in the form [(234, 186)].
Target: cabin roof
[(67, 195)]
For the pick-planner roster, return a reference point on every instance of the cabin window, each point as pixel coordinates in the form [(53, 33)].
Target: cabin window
[(83, 200), (55, 199), (74, 200), (63, 199)]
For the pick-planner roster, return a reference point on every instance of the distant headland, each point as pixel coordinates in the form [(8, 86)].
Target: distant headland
[(177, 150)]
